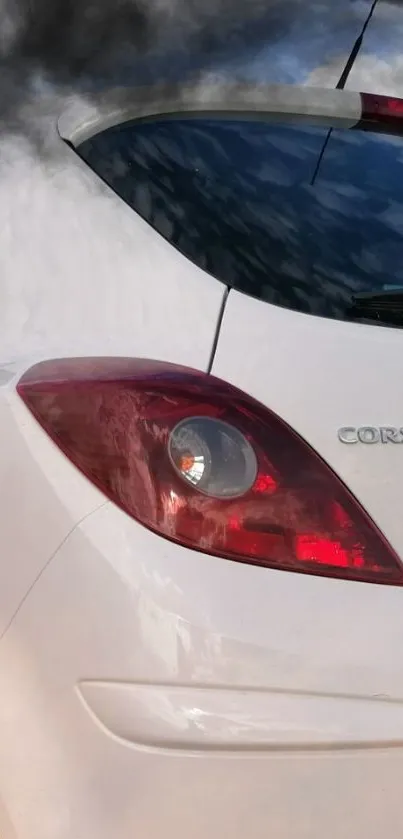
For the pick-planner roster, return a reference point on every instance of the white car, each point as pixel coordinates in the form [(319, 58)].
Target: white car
[(201, 465)]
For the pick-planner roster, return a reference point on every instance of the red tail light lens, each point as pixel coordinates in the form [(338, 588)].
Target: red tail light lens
[(202, 464), (381, 113)]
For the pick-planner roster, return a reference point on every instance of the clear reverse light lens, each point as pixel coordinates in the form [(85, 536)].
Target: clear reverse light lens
[(213, 456)]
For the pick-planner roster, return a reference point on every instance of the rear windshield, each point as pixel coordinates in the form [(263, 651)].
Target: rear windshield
[(257, 207)]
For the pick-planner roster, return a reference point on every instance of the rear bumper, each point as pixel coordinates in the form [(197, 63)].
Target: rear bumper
[(150, 690)]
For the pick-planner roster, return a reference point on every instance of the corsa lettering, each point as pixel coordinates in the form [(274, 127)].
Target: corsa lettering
[(370, 434)]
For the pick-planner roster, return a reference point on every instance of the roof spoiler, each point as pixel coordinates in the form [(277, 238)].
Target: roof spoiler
[(329, 107)]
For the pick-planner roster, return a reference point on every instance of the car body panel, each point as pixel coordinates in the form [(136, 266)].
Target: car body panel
[(217, 642), (42, 498)]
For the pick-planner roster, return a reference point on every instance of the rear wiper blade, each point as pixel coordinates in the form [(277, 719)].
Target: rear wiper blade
[(384, 306)]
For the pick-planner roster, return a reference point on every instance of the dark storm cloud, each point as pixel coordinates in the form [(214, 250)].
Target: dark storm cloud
[(85, 44), (70, 38)]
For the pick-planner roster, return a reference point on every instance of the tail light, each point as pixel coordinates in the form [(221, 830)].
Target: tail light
[(202, 464), (383, 114)]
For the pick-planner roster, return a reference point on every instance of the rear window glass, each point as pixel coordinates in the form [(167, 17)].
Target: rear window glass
[(247, 202)]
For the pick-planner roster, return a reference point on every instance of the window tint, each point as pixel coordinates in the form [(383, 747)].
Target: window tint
[(237, 198)]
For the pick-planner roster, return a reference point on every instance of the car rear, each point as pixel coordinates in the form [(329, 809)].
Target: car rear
[(159, 674)]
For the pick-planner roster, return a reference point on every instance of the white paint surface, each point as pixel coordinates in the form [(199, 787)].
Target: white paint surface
[(293, 686)]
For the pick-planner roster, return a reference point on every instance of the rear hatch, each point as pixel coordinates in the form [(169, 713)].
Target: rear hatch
[(299, 225)]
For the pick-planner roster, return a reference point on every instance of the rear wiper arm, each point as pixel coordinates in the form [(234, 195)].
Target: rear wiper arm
[(384, 306)]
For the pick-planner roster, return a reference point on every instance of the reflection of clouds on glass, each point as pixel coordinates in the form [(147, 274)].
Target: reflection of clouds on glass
[(284, 141), (347, 190), (369, 262), (392, 216), (236, 198), (329, 199), (279, 174)]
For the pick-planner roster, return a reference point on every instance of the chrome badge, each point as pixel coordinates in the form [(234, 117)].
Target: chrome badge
[(370, 434)]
